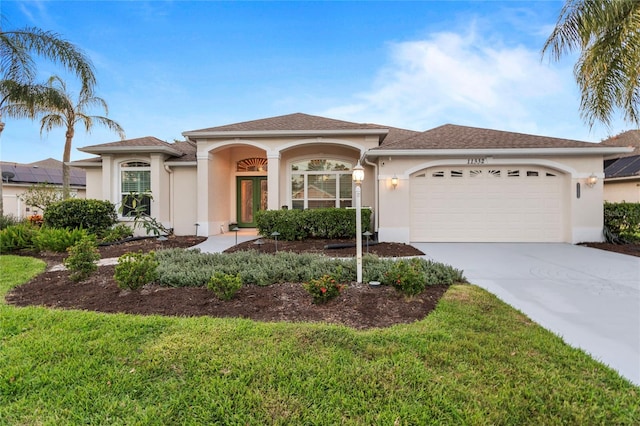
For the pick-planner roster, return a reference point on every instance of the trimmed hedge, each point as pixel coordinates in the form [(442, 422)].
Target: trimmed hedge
[(622, 222), (190, 268), (327, 223), (94, 216)]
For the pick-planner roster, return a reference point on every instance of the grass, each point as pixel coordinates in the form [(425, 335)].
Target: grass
[(474, 360)]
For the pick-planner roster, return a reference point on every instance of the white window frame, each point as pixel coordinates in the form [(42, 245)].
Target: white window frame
[(121, 169), (343, 175)]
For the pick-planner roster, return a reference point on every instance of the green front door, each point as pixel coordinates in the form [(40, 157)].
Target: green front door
[(251, 197)]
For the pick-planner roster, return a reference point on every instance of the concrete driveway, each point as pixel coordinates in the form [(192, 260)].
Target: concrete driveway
[(589, 297)]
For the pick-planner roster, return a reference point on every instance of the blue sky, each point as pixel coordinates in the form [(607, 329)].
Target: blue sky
[(169, 67)]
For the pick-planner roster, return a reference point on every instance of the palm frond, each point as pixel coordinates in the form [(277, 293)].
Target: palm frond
[(607, 34), (53, 47)]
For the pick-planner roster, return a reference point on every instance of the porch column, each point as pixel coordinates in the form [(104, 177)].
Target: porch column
[(273, 180), (108, 180), (202, 192)]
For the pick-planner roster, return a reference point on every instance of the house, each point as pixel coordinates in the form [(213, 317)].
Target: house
[(17, 178), (622, 170), (451, 183)]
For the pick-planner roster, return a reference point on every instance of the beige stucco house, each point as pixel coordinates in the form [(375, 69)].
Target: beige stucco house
[(19, 177), (451, 183), (622, 170)]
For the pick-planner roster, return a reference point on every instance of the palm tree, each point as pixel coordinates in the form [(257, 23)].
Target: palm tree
[(69, 114), (20, 97), (607, 35)]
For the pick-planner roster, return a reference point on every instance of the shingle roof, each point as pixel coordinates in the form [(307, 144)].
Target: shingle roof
[(144, 144), (297, 121), (144, 141), (33, 173), (630, 138), (187, 148), (451, 136)]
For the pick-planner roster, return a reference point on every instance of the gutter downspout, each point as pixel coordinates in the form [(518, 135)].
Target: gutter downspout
[(376, 197), (171, 185)]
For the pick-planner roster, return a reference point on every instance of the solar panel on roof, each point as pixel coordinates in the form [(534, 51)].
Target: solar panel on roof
[(626, 166)]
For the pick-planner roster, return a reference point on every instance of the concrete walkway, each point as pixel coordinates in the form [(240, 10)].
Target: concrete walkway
[(221, 242), (589, 297)]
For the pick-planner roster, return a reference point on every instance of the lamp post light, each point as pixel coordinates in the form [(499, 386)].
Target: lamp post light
[(358, 177), (367, 234), (275, 235), (236, 229)]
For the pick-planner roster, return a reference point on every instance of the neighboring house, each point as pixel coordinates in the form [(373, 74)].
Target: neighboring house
[(622, 171), (17, 178), (454, 183)]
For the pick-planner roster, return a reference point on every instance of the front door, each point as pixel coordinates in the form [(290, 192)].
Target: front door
[(251, 197)]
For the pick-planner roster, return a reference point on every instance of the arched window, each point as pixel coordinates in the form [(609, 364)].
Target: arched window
[(318, 183), (252, 165), (135, 187)]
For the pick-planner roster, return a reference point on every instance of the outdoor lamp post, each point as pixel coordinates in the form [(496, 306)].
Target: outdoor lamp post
[(358, 177)]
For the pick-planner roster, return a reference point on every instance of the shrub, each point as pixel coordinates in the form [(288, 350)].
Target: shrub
[(82, 259), (407, 276), (17, 237), (225, 286), (622, 222), (323, 289), (95, 216), (190, 268), (117, 233), (41, 195), (315, 223), (8, 220), (135, 270), (58, 240), (181, 268)]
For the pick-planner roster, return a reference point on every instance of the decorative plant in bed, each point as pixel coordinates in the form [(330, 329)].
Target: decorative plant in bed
[(273, 285)]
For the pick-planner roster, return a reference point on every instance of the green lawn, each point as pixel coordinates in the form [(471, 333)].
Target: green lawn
[(472, 361)]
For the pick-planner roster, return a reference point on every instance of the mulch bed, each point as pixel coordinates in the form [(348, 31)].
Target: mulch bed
[(358, 306)]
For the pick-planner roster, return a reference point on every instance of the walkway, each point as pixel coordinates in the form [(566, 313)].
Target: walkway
[(221, 242)]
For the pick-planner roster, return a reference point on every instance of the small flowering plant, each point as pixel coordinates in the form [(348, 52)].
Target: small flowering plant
[(35, 219), (407, 277), (323, 289)]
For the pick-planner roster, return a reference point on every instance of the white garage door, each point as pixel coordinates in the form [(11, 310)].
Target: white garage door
[(487, 204)]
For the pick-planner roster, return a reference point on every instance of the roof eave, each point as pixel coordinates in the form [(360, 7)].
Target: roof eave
[(621, 178), (199, 134), (181, 163), (131, 150), (500, 151)]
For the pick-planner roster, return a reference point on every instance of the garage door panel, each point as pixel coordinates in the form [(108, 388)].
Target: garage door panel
[(488, 204)]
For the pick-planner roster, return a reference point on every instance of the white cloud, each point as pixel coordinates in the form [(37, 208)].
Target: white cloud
[(463, 78)]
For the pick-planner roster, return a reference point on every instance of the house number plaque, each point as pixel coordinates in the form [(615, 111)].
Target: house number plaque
[(477, 161)]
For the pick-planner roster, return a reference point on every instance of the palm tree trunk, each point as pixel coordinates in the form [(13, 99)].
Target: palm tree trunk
[(1, 181), (66, 157)]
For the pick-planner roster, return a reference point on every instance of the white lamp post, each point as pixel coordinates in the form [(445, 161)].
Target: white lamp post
[(358, 177)]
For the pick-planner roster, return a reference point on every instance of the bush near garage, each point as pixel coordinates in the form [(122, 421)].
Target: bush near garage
[(330, 223), (622, 222)]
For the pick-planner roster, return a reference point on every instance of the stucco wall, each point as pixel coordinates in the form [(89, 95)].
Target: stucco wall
[(94, 182), (622, 191), (13, 205), (183, 205)]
